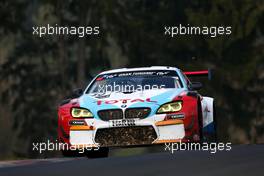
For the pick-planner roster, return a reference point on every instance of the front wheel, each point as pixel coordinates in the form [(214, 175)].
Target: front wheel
[(71, 153), (102, 152)]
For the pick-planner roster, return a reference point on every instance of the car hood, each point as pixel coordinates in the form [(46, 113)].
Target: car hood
[(117, 100)]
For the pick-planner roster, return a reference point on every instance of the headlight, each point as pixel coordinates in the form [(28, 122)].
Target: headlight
[(170, 107), (81, 113)]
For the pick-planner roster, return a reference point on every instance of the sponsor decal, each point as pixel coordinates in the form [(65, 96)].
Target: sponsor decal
[(100, 102), (137, 73), (77, 122)]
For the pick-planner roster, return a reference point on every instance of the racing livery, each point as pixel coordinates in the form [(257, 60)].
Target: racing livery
[(134, 107)]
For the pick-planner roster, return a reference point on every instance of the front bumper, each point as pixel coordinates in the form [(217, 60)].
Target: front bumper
[(152, 130)]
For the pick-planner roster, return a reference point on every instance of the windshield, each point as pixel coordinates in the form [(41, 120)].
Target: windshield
[(129, 84)]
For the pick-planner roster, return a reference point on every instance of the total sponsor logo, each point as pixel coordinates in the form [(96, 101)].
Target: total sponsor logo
[(124, 101)]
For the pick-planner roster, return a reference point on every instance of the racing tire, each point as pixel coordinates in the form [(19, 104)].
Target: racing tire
[(102, 152), (72, 153), (214, 135)]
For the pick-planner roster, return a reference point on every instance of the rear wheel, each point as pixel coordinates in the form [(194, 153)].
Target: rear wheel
[(214, 135), (200, 122), (102, 152), (210, 134)]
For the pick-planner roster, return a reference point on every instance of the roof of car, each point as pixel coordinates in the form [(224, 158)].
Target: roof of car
[(139, 69)]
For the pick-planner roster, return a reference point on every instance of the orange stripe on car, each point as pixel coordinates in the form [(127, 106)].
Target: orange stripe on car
[(169, 122), (167, 141), (81, 146), (81, 127)]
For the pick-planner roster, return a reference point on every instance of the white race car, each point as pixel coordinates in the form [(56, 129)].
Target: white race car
[(136, 106)]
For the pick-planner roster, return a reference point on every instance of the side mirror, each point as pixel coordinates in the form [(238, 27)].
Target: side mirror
[(196, 86), (76, 93)]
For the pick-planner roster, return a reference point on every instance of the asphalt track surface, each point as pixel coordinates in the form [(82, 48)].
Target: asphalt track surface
[(241, 160)]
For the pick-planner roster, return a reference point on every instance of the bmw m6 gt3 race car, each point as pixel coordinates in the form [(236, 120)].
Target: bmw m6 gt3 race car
[(134, 107)]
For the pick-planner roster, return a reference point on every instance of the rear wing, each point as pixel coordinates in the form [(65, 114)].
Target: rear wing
[(199, 73)]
